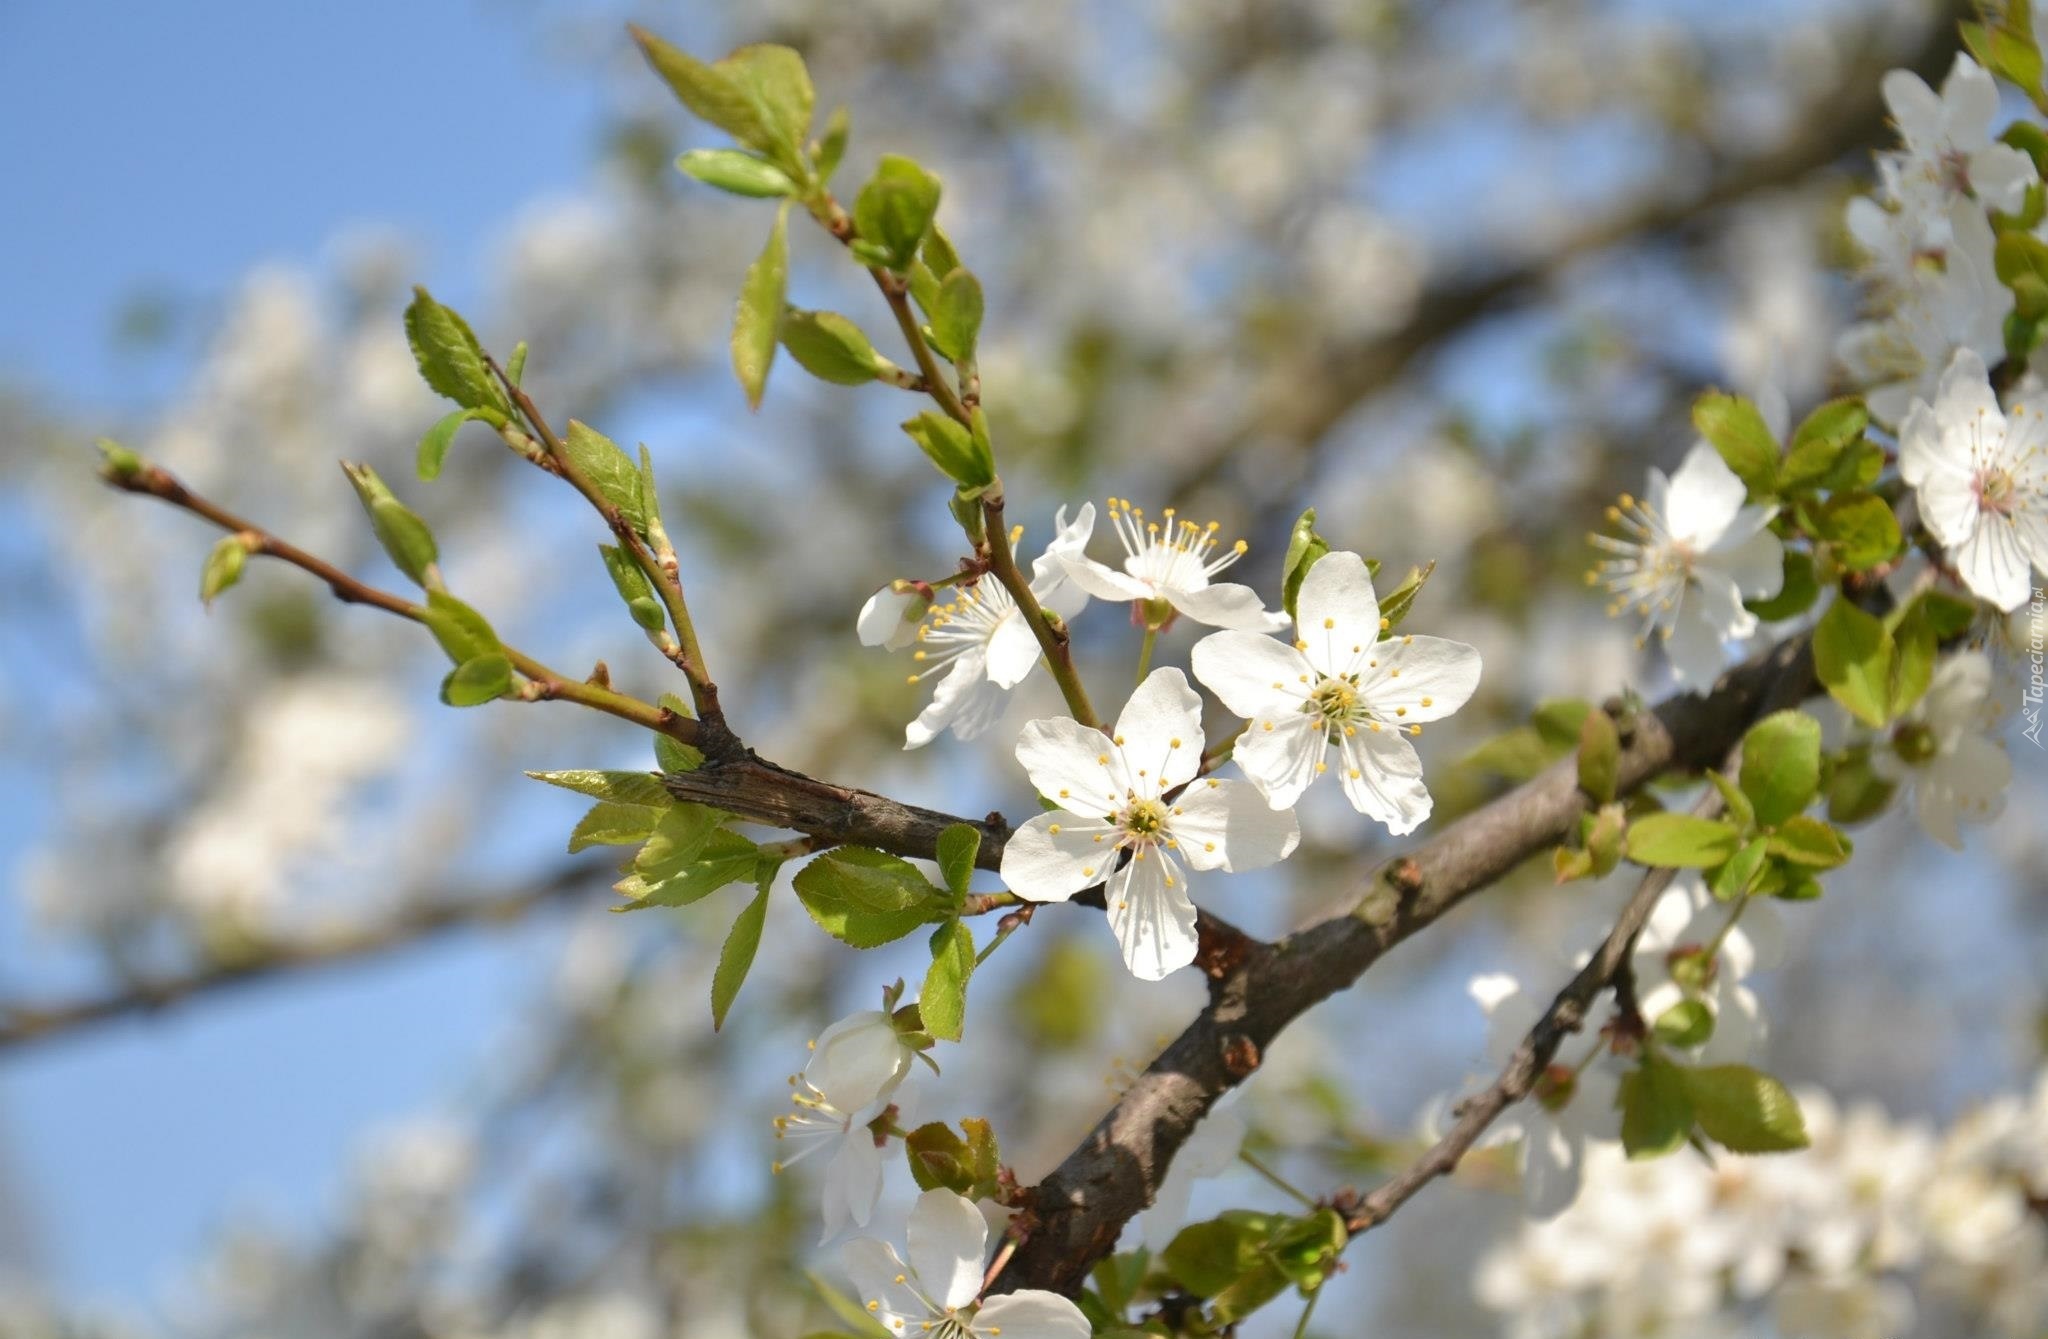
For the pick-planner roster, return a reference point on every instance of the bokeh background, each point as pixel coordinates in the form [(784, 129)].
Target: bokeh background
[(308, 1027)]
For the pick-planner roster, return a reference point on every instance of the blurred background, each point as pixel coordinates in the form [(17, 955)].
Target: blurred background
[(307, 1025)]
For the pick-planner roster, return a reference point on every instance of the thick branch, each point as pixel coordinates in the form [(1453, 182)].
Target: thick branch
[(1081, 1207)]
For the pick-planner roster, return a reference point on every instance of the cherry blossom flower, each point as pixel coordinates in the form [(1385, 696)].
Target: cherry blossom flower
[(853, 1177), (983, 643), (892, 615), (1694, 947), (1982, 480), (934, 1293), (1339, 688), (1168, 566), (859, 1061), (1949, 152), (1571, 1104), (1945, 750), (1117, 798), (1688, 555)]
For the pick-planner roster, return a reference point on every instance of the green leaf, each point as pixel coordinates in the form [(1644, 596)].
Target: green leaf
[(609, 823), (956, 318), (1856, 792), (672, 755), (474, 682), (894, 210), (462, 632), (938, 1157), (405, 537), (609, 469), (1656, 1112), (634, 588), (1738, 877), (736, 958), (832, 144), (1738, 432), (867, 898), (677, 842), (1744, 1110), (940, 258), (1599, 756), (1304, 548), (943, 1003), (1859, 526), (759, 311), (1917, 633), (1804, 840), (829, 347), (953, 449), (1853, 656), (223, 568), (2021, 261), (1800, 589), (1739, 807), (1819, 442), (958, 848), (117, 461), (1684, 1025), (1781, 765), (725, 858), (775, 82), (515, 366), (737, 173), (434, 446), (1680, 841), (450, 359), (1397, 602), (643, 788)]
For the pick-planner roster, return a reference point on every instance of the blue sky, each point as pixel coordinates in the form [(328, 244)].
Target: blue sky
[(166, 148)]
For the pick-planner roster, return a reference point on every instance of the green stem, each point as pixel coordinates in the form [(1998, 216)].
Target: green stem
[(1145, 651), (1301, 1326), (1279, 1181), (1058, 658)]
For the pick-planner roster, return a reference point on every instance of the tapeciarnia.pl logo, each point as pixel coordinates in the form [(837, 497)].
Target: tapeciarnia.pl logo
[(2037, 666)]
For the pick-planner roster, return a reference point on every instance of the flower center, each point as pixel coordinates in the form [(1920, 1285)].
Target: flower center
[(1648, 567), (1170, 553), (1914, 743), (1997, 491), (1145, 818), (1336, 700)]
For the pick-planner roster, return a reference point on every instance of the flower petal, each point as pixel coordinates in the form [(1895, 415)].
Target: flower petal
[(1102, 582), (948, 1237), (853, 1182), (1229, 825), (1551, 1166), (1337, 611), (886, 619), (1383, 779), (1160, 732), (1030, 1313), (1694, 649), (1279, 755), (1226, 604), (858, 1060), (1153, 919), (1249, 673), (880, 1281), (1065, 761), (965, 702), (1922, 120), (1044, 865), (1012, 651), (1069, 538), (1755, 565), (1992, 563), (1704, 498), (2000, 175), (1969, 101), (1419, 678), (1948, 503)]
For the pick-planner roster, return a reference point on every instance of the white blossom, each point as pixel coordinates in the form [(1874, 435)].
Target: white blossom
[(933, 1294), (1169, 564), (1689, 554), (1949, 152), (1946, 751), (1117, 798), (859, 1060), (983, 643), (892, 615), (1572, 1105), (853, 1176), (1338, 688), (1982, 479), (1695, 947)]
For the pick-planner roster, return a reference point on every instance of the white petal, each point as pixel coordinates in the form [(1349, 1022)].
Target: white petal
[(1337, 610), (948, 1237), (1705, 496), (1992, 563), (1969, 99), (1973, 776), (1030, 1314), (1936, 809), (1162, 1219), (1250, 673), (2000, 175), (1964, 392), (1958, 693), (875, 1268), (1922, 120), (1063, 758), (1755, 565), (1040, 865), (1226, 604), (1212, 1149), (1229, 825), (1757, 941), (1102, 582), (1160, 732), (1739, 1028), (1921, 448), (853, 1182), (1716, 598), (858, 1060), (1069, 538), (965, 702), (1012, 651), (1551, 1164), (1420, 678), (1694, 650), (1948, 504), (1383, 779), (1490, 988), (1279, 754), (1153, 919), (890, 618)]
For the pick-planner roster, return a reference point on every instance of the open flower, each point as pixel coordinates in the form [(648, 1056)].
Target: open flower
[(1168, 564), (1687, 557), (1113, 803), (1944, 749), (893, 614), (1693, 948), (1982, 479), (853, 1178), (934, 1293), (1572, 1104), (1338, 688), (983, 643), (1949, 152), (859, 1060)]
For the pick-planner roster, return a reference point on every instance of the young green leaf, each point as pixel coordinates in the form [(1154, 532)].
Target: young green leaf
[(1686, 1024), (895, 209), (958, 847), (1804, 840), (1394, 606), (725, 858), (1680, 841), (1599, 756), (867, 898), (609, 469), (829, 347), (1744, 1110), (450, 359), (476, 681), (643, 788), (1738, 877), (737, 173), (831, 146), (1859, 528), (1819, 441), (1735, 428), (405, 536), (956, 316), (943, 1002), (953, 449), (1656, 1112), (462, 632), (1304, 547), (736, 957), (633, 588), (1781, 765), (434, 446), (609, 823), (223, 568), (1853, 657), (1800, 588), (759, 312)]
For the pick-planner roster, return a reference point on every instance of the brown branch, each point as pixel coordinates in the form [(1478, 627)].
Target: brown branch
[(1081, 1207)]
